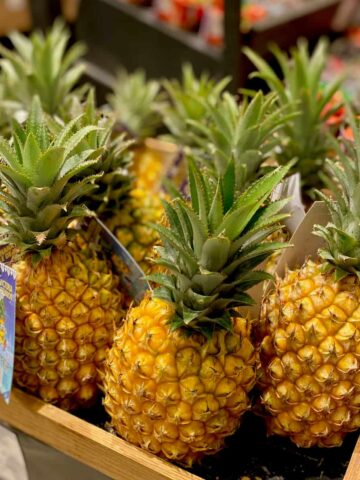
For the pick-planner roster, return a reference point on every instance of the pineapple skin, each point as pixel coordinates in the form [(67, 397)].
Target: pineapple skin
[(310, 357), (148, 169), (67, 309), (176, 395), (130, 226)]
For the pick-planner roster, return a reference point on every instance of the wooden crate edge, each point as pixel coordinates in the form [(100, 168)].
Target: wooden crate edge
[(84, 442), (353, 469)]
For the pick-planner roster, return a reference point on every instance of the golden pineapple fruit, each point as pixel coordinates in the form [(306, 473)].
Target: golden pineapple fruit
[(310, 323), (68, 306), (68, 302), (174, 395), (311, 357), (177, 378)]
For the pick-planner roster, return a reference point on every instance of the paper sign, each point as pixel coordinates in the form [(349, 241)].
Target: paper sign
[(7, 328), (132, 277), (303, 243)]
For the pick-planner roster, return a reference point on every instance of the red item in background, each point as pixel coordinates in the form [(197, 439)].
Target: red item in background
[(347, 133), (253, 13), (188, 14), (354, 36), (212, 26), (164, 10), (337, 100)]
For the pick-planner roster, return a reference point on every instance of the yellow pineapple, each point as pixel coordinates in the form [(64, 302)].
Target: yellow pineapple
[(177, 378), (310, 326), (68, 302), (119, 202)]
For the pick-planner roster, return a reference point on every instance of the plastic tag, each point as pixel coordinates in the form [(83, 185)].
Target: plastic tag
[(132, 277), (291, 187), (7, 328)]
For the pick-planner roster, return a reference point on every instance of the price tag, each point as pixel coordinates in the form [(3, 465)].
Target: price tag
[(7, 328)]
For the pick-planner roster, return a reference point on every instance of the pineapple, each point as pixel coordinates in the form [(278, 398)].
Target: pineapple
[(310, 326), (305, 136), (134, 102), (41, 65), (188, 102), (67, 299), (247, 135), (242, 136), (178, 375), (119, 202)]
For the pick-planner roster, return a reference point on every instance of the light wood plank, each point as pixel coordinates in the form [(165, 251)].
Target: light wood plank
[(85, 442), (353, 470)]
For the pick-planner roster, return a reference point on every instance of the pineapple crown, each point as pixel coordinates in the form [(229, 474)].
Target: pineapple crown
[(342, 234), (41, 65), (244, 134), (111, 172), (38, 194), (210, 251), (135, 102), (187, 102), (304, 137)]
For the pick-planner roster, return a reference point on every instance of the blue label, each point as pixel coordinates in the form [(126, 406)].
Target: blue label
[(7, 328)]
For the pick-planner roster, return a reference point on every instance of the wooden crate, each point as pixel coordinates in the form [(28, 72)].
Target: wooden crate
[(97, 448), (85, 442), (353, 470)]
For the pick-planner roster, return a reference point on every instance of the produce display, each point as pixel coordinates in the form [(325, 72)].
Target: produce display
[(181, 175), (206, 17)]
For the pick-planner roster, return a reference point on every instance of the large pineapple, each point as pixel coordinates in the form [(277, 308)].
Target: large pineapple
[(310, 325), (67, 299), (135, 101), (305, 135), (40, 65), (179, 373)]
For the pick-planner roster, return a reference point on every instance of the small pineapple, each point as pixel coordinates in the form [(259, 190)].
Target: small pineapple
[(41, 65), (179, 373), (245, 134), (188, 102), (67, 300), (135, 102), (305, 136), (119, 202), (236, 136), (310, 326)]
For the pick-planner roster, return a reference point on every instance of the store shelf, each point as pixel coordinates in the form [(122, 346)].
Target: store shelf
[(138, 39), (312, 20)]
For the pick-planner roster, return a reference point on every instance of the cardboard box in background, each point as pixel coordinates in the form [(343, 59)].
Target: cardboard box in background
[(14, 15)]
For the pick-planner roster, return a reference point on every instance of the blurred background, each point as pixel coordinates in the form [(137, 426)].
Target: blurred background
[(160, 35)]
